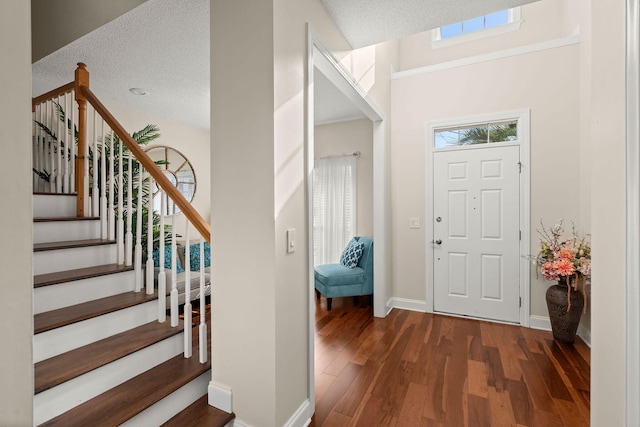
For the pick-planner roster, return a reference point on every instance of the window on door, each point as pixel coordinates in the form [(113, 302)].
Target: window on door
[(334, 207)]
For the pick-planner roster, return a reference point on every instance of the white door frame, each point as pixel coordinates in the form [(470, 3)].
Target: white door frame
[(525, 196), (322, 58), (632, 274)]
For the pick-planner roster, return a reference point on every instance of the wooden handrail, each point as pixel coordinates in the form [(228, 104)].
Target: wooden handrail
[(52, 94), (189, 211)]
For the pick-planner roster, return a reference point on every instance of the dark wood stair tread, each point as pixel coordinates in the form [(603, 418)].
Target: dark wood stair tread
[(117, 405), (66, 218), (50, 246), (76, 313), (64, 367), (44, 193), (78, 274), (200, 413)]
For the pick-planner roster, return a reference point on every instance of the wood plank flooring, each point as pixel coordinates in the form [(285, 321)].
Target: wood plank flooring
[(424, 370)]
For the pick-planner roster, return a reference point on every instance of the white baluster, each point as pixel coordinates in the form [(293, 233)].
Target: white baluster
[(203, 324), (85, 178), (43, 146), (95, 196), (149, 267), (58, 155), (137, 267), (66, 161), (51, 156), (104, 215), (174, 286), (120, 216), (36, 148), (112, 200), (188, 350), (128, 248), (162, 275), (71, 115)]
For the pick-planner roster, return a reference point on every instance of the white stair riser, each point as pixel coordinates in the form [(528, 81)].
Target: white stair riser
[(60, 340), (53, 297), (65, 396), (61, 231), (171, 405), (73, 258), (50, 206)]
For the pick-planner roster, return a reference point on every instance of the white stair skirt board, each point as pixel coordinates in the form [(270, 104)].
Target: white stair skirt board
[(53, 297), (61, 231), (50, 206), (59, 399), (73, 258), (167, 408), (60, 340)]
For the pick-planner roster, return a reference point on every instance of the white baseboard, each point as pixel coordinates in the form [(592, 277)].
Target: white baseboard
[(539, 322), (406, 304), (302, 417), (220, 396), (585, 334), (543, 323)]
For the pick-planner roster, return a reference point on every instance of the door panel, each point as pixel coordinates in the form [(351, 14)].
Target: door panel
[(477, 265)]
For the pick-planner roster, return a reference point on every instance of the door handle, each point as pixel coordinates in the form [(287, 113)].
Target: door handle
[(437, 242)]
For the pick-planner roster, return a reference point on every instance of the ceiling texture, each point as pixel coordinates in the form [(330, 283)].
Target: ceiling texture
[(164, 50)]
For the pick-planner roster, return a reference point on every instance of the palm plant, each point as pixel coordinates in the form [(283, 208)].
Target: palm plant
[(111, 143)]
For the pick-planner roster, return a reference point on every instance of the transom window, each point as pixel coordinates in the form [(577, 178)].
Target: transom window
[(479, 133)]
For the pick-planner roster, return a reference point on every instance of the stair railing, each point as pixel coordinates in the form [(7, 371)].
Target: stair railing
[(70, 156)]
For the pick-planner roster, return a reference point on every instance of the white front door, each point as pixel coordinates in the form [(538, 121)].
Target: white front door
[(476, 232)]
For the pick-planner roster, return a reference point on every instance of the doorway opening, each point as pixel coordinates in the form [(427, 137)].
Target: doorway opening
[(322, 65)]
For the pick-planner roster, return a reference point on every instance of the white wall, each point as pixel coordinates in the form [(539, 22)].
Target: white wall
[(260, 302), (541, 20), (193, 142), (607, 104), (546, 82), (16, 285), (345, 138)]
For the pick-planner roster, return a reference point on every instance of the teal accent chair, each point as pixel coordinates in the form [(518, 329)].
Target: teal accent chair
[(336, 280)]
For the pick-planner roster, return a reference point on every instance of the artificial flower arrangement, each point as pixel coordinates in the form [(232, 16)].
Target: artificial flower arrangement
[(567, 261)]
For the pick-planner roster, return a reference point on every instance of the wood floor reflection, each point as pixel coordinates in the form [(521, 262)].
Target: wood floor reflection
[(417, 369)]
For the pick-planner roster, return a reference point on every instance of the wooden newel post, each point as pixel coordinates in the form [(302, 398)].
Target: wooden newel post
[(81, 80)]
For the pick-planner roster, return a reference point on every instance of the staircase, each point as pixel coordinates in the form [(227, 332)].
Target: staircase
[(101, 356)]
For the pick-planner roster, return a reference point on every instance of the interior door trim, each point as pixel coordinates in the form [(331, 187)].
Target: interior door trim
[(523, 117)]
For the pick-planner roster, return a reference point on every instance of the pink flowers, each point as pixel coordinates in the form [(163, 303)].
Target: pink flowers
[(563, 258)]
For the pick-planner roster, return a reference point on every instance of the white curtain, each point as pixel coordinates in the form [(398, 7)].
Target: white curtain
[(334, 207)]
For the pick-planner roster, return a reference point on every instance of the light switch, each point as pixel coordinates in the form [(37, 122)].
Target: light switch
[(414, 222), (291, 240)]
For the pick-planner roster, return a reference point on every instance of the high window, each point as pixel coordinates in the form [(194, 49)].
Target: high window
[(492, 23)]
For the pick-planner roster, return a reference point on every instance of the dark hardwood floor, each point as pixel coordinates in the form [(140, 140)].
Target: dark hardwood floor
[(417, 369)]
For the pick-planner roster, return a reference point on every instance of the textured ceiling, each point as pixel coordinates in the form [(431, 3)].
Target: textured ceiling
[(157, 46), (367, 22), (164, 49)]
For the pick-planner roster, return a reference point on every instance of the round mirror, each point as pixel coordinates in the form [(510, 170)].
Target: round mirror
[(178, 169)]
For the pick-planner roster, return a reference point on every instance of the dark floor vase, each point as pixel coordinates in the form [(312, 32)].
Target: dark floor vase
[(564, 324)]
